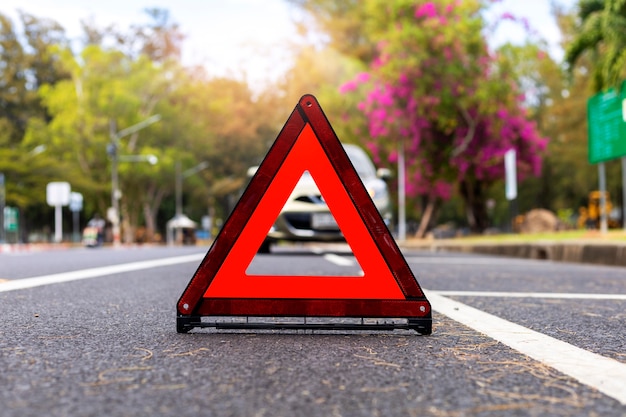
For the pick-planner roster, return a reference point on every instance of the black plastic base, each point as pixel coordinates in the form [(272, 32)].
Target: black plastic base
[(185, 323), (422, 326)]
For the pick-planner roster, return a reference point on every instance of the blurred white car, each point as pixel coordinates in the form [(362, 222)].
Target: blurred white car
[(306, 217)]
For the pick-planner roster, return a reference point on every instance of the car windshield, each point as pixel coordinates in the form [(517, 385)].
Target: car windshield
[(361, 161)]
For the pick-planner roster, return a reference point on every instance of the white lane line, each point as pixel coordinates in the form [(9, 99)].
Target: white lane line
[(475, 261), (19, 284), (338, 260), (317, 250), (331, 257), (570, 296), (604, 374)]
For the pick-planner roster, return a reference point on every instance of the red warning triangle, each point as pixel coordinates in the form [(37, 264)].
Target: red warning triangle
[(387, 288)]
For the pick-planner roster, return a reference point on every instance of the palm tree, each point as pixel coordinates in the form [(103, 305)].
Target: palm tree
[(603, 32)]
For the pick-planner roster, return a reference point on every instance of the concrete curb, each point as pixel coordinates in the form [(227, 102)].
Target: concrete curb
[(601, 253), (41, 247), (598, 253), (27, 247)]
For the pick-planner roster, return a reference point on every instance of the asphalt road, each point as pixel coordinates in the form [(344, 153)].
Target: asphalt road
[(95, 335)]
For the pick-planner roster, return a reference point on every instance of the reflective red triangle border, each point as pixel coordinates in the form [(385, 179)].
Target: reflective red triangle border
[(194, 303)]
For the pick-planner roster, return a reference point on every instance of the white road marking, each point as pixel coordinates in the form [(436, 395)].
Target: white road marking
[(604, 374), (332, 257), (475, 261), (317, 250), (567, 296), (338, 260), (18, 284)]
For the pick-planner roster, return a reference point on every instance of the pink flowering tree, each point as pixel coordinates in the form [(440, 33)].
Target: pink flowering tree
[(434, 92)]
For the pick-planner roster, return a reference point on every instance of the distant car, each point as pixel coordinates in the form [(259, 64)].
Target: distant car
[(306, 217)]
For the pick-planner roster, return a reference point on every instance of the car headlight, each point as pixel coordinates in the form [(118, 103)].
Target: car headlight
[(377, 190)]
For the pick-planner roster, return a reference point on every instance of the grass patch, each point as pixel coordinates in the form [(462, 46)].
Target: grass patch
[(580, 236)]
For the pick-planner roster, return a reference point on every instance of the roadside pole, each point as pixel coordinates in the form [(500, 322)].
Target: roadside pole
[(401, 193), (624, 192), (112, 150), (606, 124), (602, 185)]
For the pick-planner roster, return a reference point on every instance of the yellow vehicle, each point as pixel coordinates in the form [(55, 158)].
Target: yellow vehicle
[(589, 217)]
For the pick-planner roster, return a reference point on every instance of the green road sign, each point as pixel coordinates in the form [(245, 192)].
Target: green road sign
[(607, 127), (10, 219)]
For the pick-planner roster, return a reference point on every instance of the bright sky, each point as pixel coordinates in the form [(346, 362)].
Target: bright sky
[(237, 37), (539, 17)]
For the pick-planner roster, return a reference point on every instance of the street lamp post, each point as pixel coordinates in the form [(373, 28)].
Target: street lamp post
[(113, 150), (179, 182), (151, 159)]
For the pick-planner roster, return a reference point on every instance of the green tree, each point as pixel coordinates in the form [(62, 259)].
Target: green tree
[(567, 177), (71, 102), (13, 84), (232, 132), (24, 69), (109, 89), (42, 36), (602, 32), (586, 38), (25, 65)]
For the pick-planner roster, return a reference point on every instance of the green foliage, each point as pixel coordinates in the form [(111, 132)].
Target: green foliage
[(13, 91), (602, 33), (26, 175), (567, 177), (566, 216), (24, 69), (73, 102)]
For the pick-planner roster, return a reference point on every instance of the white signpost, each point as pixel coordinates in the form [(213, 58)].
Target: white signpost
[(510, 169), (57, 196), (510, 182)]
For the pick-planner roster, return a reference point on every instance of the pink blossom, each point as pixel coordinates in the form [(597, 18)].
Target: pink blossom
[(427, 9), (348, 87), (363, 77), (352, 85), (508, 16), (393, 157), (442, 190)]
